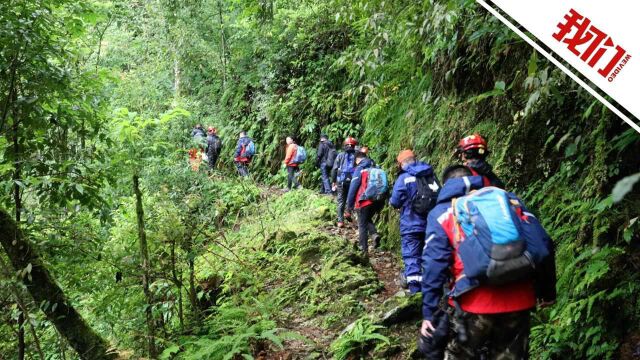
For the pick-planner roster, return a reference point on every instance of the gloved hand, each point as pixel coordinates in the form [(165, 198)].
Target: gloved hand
[(334, 187), (347, 214)]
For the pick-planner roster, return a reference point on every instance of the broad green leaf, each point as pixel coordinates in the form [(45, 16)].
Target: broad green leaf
[(169, 352), (532, 66), (624, 186)]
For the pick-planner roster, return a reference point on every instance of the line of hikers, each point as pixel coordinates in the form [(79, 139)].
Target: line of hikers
[(467, 238), (481, 260), (208, 145)]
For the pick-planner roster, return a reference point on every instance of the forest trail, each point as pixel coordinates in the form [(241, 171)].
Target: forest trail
[(99, 102), (385, 264)]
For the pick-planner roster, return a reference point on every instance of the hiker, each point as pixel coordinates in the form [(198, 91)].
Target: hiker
[(364, 197), (326, 155), (473, 152), (341, 173), (214, 145), (245, 150), (198, 132), (291, 164), (492, 294), (415, 193), (198, 143)]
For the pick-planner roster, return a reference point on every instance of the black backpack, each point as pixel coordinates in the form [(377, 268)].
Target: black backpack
[(426, 196), (215, 145), (331, 155)]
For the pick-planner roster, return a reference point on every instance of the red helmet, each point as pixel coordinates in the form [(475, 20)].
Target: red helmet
[(350, 141), (474, 141)]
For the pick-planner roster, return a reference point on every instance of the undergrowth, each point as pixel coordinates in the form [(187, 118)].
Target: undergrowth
[(279, 274), (359, 339)]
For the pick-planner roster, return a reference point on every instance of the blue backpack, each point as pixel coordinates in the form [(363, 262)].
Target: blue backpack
[(347, 166), (500, 244), (248, 150), (377, 185), (300, 156)]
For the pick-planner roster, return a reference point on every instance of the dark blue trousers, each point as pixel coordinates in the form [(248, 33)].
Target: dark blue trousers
[(326, 184), (411, 247)]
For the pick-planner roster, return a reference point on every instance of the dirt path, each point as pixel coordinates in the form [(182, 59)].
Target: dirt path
[(386, 264), (387, 267)]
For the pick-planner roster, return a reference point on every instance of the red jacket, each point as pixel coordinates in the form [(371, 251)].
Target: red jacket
[(364, 175)]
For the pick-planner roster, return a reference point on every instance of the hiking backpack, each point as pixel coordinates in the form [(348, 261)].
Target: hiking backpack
[(346, 167), (426, 196), (198, 133), (495, 249), (331, 155), (215, 145), (248, 150), (377, 185), (300, 156)]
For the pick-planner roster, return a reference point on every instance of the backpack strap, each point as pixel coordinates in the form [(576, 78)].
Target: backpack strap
[(344, 163), (457, 229), (517, 206), (457, 237)]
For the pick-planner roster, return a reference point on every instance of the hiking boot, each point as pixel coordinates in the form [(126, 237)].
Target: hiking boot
[(403, 281), (340, 224), (375, 241)]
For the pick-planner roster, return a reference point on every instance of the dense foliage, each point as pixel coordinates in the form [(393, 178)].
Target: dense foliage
[(97, 100)]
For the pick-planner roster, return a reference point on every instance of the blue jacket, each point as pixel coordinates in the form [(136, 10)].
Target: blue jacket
[(437, 255), (404, 190), (356, 180), (243, 141)]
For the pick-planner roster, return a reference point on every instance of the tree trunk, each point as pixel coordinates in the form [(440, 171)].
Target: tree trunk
[(43, 287), (176, 78), (177, 281), (193, 296), (144, 255), (223, 45), (24, 313), (11, 93), (17, 200), (21, 343)]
